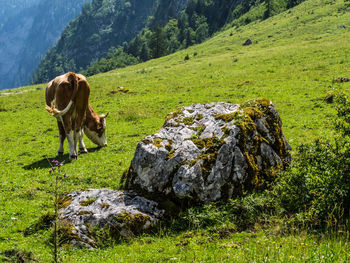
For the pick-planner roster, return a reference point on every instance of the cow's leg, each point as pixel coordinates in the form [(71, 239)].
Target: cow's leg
[(82, 147), (81, 105), (70, 137), (78, 134), (62, 137)]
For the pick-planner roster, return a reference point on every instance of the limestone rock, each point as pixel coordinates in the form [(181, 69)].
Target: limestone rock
[(210, 152), (122, 214)]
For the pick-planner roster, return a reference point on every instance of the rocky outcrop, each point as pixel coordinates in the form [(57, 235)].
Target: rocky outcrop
[(210, 152), (86, 215)]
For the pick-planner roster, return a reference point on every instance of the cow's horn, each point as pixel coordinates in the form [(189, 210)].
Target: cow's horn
[(103, 116)]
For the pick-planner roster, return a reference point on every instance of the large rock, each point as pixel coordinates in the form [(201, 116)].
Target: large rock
[(210, 152), (84, 215)]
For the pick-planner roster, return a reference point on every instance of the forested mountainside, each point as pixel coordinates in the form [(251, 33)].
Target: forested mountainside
[(28, 30), (102, 25), (111, 34), (198, 21)]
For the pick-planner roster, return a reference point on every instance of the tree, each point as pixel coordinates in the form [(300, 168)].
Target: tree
[(292, 3), (157, 42), (144, 56), (202, 32), (268, 10), (190, 36)]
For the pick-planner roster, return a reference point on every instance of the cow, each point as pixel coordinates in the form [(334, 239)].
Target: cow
[(67, 99)]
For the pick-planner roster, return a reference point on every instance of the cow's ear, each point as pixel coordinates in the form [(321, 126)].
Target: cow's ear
[(103, 116)]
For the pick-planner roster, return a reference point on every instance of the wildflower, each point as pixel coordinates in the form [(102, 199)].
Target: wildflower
[(291, 257), (64, 175)]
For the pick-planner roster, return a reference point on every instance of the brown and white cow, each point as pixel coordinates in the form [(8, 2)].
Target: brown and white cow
[(67, 99)]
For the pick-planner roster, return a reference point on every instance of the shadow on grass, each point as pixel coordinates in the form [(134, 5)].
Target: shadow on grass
[(45, 163)]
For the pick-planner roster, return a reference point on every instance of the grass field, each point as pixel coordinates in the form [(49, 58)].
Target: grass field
[(294, 58)]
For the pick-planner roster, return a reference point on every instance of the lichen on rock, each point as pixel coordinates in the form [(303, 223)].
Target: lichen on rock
[(210, 152)]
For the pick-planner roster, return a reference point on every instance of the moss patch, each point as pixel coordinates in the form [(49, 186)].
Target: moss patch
[(64, 201), (174, 114), (227, 117), (199, 116), (158, 142), (251, 111), (210, 147), (211, 144), (66, 233), (135, 223), (171, 154), (259, 102), (188, 121), (87, 202), (85, 213), (199, 130)]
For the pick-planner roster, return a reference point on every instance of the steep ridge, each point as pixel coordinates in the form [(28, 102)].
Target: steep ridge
[(28, 33), (101, 26)]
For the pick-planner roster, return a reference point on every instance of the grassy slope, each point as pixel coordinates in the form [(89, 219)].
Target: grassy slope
[(292, 61)]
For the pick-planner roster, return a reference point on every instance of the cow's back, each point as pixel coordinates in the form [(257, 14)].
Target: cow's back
[(59, 90)]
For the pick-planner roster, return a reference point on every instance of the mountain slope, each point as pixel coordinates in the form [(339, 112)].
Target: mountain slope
[(10, 9), (101, 26), (28, 34), (174, 25), (293, 59)]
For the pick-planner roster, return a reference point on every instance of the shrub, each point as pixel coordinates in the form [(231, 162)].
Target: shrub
[(317, 184)]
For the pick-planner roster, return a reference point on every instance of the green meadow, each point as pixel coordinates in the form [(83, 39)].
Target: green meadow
[(294, 59)]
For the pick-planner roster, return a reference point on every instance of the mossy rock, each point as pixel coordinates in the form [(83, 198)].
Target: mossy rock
[(98, 216), (218, 150)]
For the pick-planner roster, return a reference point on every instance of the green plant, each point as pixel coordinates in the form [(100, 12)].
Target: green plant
[(318, 183), (55, 170)]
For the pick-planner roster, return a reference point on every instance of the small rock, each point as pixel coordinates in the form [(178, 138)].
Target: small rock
[(342, 79), (121, 212), (247, 42)]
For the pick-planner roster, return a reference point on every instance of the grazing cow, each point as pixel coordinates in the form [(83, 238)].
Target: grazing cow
[(67, 99)]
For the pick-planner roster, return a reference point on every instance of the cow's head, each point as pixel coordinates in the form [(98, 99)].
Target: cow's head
[(97, 132)]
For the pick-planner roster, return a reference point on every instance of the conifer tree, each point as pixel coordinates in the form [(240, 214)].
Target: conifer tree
[(157, 42)]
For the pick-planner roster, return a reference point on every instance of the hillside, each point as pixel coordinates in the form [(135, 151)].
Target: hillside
[(26, 33), (293, 59), (164, 29), (102, 26)]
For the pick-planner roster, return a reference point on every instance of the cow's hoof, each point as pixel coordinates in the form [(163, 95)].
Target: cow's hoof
[(59, 154), (73, 157), (83, 150)]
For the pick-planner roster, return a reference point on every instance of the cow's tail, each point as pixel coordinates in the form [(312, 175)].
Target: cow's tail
[(73, 81)]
